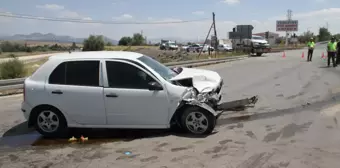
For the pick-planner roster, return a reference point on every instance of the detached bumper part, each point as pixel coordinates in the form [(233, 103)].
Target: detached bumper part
[(232, 105)]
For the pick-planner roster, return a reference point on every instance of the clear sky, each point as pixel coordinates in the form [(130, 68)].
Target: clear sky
[(262, 14)]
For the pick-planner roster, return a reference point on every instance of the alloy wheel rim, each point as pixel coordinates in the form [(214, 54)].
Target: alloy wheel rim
[(48, 121), (197, 122)]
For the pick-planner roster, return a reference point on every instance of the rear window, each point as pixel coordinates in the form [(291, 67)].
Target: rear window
[(78, 73)]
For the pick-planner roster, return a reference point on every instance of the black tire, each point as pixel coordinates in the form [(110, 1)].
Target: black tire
[(60, 131), (209, 121), (258, 54)]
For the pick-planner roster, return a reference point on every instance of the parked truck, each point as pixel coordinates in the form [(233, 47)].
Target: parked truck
[(243, 40), (256, 45)]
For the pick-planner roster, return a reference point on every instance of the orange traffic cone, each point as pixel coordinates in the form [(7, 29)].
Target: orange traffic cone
[(284, 55), (303, 55)]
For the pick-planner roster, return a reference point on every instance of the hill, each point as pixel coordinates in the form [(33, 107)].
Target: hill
[(49, 37)]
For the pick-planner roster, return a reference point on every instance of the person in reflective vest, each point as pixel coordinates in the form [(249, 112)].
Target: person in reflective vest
[(338, 53), (311, 46), (331, 50)]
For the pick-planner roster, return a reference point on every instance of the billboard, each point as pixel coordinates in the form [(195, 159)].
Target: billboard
[(242, 31), (287, 25)]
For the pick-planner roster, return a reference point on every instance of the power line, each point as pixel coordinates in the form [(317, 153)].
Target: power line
[(31, 17)]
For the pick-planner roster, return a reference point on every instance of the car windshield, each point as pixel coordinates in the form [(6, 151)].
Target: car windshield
[(161, 69), (257, 37), (172, 43)]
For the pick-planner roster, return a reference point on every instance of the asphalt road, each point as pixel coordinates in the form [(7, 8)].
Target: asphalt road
[(293, 125)]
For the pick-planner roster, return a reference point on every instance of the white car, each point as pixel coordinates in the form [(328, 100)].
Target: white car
[(206, 48), (225, 47), (118, 89)]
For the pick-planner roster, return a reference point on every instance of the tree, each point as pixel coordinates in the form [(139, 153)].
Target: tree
[(137, 39), (109, 43), (125, 41), (337, 36), (74, 46), (305, 36), (94, 43), (324, 34)]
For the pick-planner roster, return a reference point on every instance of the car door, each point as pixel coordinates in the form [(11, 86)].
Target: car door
[(129, 102), (75, 88)]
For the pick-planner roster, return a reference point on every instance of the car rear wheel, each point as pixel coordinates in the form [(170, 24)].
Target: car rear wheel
[(51, 123), (197, 121)]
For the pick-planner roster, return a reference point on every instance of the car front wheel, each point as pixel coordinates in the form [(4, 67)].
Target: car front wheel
[(51, 123), (198, 121)]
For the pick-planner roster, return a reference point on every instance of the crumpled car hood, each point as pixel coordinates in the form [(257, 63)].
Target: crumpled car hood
[(203, 80)]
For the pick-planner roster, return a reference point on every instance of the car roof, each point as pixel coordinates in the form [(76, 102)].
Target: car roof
[(98, 54)]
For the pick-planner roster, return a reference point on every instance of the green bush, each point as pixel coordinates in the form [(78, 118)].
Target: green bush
[(94, 43), (11, 69)]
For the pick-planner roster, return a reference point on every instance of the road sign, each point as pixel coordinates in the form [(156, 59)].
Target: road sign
[(287, 25), (242, 31)]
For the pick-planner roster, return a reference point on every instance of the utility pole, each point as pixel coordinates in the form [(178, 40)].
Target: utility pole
[(289, 18), (215, 34)]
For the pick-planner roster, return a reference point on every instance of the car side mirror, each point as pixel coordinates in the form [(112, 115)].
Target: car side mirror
[(154, 86)]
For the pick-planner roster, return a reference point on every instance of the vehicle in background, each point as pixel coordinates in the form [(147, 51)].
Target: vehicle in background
[(194, 48), (207, 47), (256, 45), (168, 45), (184, 47), (225, 47), (118, 89)]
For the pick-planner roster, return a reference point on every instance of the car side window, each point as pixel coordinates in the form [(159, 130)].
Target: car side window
[(78, 73), (123, 75), (58, 76)]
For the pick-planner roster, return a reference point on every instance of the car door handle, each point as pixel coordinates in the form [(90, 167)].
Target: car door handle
[(112, 95), (57, 92)]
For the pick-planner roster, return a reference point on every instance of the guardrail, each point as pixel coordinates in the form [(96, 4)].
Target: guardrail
[(12, 84)]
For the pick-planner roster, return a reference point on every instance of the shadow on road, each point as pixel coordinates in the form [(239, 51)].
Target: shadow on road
[(22, 136), (325, 66), (315, 106)]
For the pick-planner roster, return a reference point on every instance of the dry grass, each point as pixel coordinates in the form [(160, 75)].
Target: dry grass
[(41, 43), (30, 68), (21, 54)]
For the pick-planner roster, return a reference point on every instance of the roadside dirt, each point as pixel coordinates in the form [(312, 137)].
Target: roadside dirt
[(170, 56)]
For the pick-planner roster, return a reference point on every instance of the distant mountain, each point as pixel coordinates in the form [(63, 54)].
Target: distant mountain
[(49, 37)]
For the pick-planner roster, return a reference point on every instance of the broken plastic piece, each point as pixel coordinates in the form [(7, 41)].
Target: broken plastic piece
[(127, 153), (237, 104), (72, 139), (82, 138)]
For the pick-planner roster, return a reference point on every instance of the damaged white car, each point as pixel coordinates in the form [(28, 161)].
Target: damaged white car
[(116, 89)]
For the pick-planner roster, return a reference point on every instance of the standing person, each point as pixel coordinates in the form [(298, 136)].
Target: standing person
[(331, 50), (338, 53), (311, 46)]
